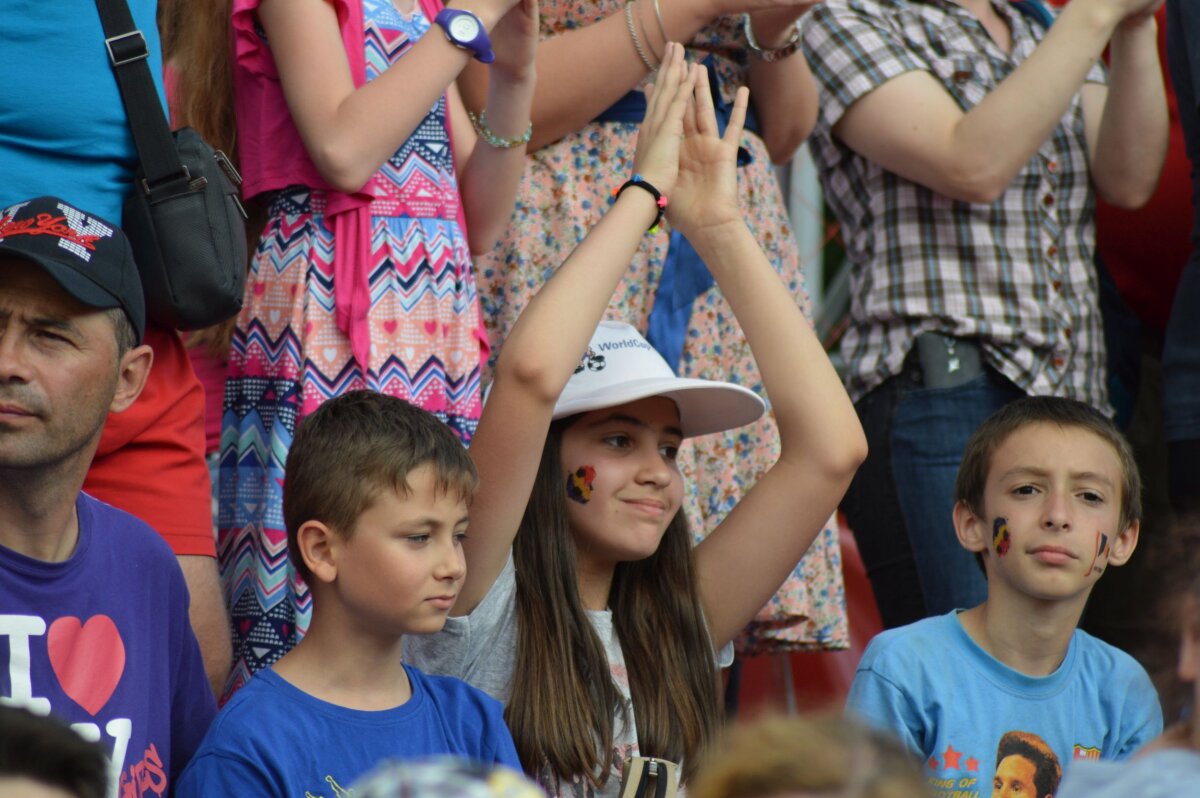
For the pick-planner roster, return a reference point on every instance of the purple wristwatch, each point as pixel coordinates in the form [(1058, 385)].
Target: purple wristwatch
[(463, 29)]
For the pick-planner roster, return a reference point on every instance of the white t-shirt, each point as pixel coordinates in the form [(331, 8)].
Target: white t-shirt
[(481, 649)]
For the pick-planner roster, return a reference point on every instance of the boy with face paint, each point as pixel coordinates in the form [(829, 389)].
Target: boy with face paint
[(1047, 497)]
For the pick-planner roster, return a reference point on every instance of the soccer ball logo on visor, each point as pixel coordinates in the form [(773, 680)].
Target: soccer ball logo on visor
[(591, 361)]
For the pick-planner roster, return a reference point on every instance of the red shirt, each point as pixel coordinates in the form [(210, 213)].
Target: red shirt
[(151, 457)]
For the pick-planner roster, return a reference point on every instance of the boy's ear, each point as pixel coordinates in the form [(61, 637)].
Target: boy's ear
[(972, 531), (318, 544), (1122, 548)]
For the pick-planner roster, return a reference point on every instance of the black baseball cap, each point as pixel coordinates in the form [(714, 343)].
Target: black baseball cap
[(88, 256)]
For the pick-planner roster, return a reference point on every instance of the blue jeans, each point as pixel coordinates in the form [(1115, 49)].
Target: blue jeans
[(900, 505)]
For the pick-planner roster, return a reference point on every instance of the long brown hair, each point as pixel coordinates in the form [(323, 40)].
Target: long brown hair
[(197, 40), (564, 701)]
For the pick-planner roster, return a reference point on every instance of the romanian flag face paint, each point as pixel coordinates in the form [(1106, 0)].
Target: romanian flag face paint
[(1000, 537), (579, 484)]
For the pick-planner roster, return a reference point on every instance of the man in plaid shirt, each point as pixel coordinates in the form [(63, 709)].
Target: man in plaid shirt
[(959, 144)]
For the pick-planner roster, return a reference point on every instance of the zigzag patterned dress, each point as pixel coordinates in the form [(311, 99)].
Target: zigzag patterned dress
[(289, 355)]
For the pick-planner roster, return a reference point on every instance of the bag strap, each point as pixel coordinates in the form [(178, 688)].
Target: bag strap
[(1036, 11), (652, 769), (128, 55)]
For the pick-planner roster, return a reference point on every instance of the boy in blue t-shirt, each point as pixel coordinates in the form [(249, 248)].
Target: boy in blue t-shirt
[(1047, 496), (375, 505)]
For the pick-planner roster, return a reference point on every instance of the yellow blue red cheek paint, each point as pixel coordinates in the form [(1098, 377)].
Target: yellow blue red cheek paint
[(1000, 537), (1101, 551), (579, 484)]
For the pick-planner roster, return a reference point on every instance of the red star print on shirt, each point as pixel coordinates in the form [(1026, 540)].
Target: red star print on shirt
[(951, 758)]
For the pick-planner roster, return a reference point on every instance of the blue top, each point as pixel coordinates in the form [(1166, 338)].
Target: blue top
[(274, 739), (63, 129), (102, 640), (1170, 773), (951, 701)]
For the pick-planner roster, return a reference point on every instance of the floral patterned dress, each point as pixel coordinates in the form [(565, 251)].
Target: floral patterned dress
[(566, 188)]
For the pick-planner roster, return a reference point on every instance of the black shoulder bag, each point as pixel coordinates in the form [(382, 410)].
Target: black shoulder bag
[(184, 220)]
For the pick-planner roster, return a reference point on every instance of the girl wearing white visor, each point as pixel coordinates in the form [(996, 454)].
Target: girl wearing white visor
[(584, 607)]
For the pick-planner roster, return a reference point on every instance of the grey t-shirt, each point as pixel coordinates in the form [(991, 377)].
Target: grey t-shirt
[(480, 649)]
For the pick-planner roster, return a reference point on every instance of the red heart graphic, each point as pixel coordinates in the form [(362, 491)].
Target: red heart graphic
[(431, 327), (87, 658), (390, 326)]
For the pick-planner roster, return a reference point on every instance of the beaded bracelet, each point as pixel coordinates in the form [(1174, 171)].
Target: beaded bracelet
[(499, 142), (659, 200), (770, 54)]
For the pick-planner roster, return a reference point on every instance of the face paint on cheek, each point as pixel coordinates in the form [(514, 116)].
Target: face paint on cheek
[(579, 484), (1000, 537), (1101, 551)]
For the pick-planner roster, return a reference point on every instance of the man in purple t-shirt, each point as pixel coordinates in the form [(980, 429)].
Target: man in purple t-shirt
[(93, 607)]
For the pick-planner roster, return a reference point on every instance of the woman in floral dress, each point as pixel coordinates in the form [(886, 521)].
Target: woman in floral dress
[(575, 163)]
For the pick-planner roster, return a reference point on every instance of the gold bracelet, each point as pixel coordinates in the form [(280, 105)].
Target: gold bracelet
[(650, 44), (661, 27), (770, 54), (637, 43), (499, 142)]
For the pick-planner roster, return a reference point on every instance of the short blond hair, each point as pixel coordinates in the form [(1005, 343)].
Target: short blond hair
[(827, 755)]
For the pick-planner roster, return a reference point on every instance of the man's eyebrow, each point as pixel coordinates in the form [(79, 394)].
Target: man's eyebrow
[(50, 321), (54, 323)]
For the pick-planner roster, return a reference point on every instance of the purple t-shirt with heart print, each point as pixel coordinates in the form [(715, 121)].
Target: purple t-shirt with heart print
[(102, 641)]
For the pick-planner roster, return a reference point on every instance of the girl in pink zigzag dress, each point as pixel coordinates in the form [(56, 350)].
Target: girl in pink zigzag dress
[(352, 133)]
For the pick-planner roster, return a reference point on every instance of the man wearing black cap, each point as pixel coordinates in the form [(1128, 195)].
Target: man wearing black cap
[(93, 606)]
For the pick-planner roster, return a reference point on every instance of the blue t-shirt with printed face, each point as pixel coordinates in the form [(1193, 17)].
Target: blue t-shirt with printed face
[(272, 738), (102, 641), (951, 702)]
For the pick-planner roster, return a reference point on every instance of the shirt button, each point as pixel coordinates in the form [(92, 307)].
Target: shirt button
[(1057, 285), (1052, 167), (961, 76), (1067, 333), (1059, 362), (1051, 251), (1048, 199)]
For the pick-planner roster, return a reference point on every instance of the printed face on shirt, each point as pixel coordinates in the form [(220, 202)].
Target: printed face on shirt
[(634, 488), (402, 568), (1052, 507), (59, 370), (1015, 778)]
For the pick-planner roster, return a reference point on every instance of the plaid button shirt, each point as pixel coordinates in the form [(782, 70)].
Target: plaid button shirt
[(1016, 274)]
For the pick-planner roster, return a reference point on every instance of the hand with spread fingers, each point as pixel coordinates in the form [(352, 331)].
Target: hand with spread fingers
[(705, 195)]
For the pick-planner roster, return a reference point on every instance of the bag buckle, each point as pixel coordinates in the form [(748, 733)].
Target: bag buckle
[(185, 175), (126, 48)]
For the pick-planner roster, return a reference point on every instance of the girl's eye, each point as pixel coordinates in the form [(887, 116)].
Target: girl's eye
[(459, 537), (669, 451), (417, 538), (617, 441)]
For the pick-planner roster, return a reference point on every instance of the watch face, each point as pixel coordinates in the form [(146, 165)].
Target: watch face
[(464, 28)]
